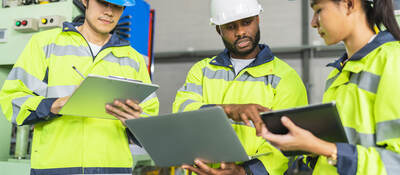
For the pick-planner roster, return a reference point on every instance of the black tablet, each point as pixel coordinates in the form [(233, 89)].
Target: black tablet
[(320, 119)]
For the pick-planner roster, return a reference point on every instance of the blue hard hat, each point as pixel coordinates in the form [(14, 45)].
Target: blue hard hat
[(125, 3)]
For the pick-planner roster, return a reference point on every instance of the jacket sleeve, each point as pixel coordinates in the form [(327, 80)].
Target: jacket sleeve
[(189, 96), (150, 105), (22, 97)]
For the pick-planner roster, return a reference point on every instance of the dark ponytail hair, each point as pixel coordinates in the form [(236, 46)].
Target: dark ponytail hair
[(381, 13)]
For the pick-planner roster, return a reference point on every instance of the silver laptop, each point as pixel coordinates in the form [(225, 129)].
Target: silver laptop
[(91, 97), (180, 138)]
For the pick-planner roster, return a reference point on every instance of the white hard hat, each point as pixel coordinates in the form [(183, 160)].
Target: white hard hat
[(226, 11)]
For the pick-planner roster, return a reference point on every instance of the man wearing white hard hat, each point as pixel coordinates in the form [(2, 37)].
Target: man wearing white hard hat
[(245, 79)]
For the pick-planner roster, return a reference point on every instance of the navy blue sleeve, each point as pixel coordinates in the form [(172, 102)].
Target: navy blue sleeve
[(132, 137), (347, 157), (207, 106), (42, 112), (256, 167)]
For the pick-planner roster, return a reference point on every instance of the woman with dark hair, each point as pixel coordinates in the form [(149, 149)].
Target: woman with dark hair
[(365, 84)]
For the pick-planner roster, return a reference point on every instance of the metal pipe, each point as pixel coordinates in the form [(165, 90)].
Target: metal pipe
[(21, 145), (306, 54), (275, 50)]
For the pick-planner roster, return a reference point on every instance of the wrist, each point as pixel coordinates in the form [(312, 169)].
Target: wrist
[(321, 147), (329, 149), (332, 158)]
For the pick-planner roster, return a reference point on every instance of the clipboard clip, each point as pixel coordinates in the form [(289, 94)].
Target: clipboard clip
[(122, 78)]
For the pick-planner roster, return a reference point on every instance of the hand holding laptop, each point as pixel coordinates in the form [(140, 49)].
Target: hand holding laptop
[(184, 138), (226, 168)]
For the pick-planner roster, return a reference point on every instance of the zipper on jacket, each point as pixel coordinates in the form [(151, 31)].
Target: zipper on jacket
[(90, 49)]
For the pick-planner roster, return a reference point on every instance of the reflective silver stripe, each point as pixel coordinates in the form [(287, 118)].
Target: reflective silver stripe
[(80, 170), (57, 50), (16, 106), (151, 96), (366, 80), (230, 76), (30, 81), (16, 110), (184, 104), (391, 161), (191, 87), (241, 123), (143, 113), (388, 130), (330, 81), (355, 137), (60, 91), (218, 74), (273, 80), (123, 61)]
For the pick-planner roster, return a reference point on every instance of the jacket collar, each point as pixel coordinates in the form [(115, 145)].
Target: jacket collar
[(338, 64), (265, 55), (115, 40), (382, 38)]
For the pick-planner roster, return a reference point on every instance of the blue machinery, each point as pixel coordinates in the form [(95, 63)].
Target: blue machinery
[(19, 19)]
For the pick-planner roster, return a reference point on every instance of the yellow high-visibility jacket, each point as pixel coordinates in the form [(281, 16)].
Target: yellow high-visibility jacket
[(267, 81), (367, 93), (43, 73)]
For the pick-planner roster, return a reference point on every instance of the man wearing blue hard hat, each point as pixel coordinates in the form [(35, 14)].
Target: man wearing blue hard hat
[(44, 77)]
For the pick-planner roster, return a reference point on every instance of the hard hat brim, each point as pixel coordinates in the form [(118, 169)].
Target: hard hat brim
[(233, 18), (125, 3)]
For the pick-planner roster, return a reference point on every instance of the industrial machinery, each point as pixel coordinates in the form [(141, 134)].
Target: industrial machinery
[(20, 19)]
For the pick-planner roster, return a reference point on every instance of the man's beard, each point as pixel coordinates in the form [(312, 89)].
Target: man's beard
[(232, 47)]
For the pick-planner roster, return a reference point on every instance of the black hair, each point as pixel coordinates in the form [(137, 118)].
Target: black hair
[(80, 18), (379, 13)]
